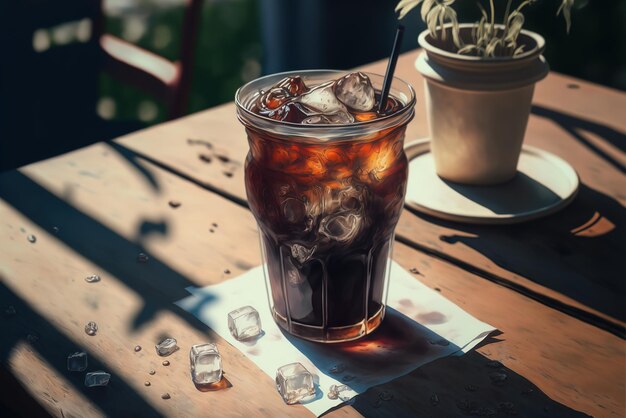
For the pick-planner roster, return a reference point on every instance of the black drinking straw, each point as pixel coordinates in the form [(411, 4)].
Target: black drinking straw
[(391, 68)]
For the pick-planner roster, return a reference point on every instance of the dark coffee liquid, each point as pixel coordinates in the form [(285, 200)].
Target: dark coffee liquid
[(326, 213)]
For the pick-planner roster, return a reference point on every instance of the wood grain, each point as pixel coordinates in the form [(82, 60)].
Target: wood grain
[(583, 125), (109, 205)]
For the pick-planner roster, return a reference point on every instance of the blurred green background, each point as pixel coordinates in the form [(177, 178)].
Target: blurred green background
[(229, 50)]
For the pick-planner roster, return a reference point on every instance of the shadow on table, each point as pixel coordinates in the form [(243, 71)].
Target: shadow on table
[(572, 125), (451, 386), (576, 252), (397, 347), (53, 347), (460, 386), (521, 194), (154, 282)]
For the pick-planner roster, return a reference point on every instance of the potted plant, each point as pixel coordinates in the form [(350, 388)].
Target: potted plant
[(479, 80)]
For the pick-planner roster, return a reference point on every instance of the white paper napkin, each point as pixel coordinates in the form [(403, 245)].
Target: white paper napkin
[(420, 326)]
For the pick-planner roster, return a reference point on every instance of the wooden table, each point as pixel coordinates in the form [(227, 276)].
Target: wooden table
[(553, 287)]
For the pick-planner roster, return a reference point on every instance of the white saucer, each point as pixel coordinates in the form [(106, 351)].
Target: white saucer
[(543, 185)]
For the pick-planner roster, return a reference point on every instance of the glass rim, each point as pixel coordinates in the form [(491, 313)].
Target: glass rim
[(407, 108)]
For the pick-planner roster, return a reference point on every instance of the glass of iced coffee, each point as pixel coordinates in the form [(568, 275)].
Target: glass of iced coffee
[(325, 178)]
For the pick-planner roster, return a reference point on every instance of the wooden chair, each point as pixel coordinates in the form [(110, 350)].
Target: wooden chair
[(48, 97), (167, 80)]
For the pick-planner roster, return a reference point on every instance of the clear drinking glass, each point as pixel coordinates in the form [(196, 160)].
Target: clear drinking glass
[(326, 199)]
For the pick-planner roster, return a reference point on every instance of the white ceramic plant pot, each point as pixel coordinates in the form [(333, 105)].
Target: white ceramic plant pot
[(478, 107)]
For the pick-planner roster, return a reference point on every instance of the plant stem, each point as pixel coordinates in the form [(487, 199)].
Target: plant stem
[(506, 18), (493, 13), (506, 15)]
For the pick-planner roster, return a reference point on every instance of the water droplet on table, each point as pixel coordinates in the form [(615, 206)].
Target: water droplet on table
[(343, 392), (137, 348), (385, 395), (142, 258), (91, 328), (337, 368), (497, 377), (205, 157), (165, 363), (415, 271), (165, 396), (56, 229), (214, 225), (494, 364), (174, 204), (506, 405), (434, 400), (32, 338), (488, 411), (152, 372), (92, 278), (147, 383), (10, 311), (32, 239)]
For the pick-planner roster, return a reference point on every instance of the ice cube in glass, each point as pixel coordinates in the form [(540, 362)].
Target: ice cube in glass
[(166, 347), (206, 364), (77, 362), (98, 378), (244, 323), (294, 383)]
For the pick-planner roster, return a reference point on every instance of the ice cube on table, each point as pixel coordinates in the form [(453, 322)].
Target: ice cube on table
[(322, 100), (166, 347), (77, 362), (244, 323), (344, 392), (295, 383), (355, 90), (98, 378), (206, 364)]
